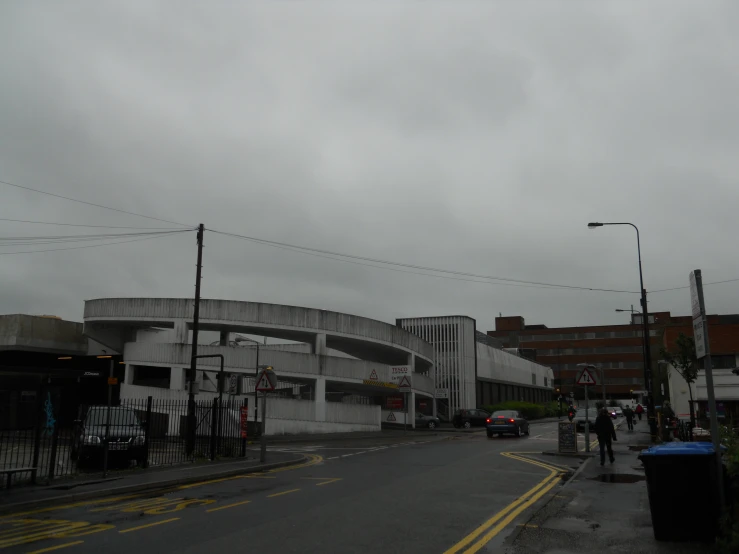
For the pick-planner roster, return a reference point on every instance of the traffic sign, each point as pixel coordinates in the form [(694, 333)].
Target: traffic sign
[(391, 417), (267, 380), (586, 377), (404, 385), (572, 395), (441, 393), (373, 375)]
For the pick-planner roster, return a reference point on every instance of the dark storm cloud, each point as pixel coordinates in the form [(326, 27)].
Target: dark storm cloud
[(477, 137)]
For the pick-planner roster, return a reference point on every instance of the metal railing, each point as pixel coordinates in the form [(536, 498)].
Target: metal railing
[(143, 432)]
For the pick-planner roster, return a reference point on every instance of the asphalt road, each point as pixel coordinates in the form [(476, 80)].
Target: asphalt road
[(416, 494)]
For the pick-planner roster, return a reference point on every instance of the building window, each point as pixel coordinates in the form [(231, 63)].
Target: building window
[(149, 376), (533, 378)]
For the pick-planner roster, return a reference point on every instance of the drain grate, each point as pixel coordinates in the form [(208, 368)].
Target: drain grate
[(618, 478)]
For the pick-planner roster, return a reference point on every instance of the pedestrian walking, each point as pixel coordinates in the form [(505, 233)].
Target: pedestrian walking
[(629, 415), (639, 411), (605, 431)]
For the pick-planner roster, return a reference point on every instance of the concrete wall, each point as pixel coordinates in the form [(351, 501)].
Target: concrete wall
[(499, 365), (284, 415), (680, 393), (290, 322), (41, 334)]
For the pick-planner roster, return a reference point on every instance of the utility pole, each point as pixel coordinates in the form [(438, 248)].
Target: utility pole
[(194, 350)]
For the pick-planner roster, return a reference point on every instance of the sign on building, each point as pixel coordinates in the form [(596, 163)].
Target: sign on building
[(441, 393), (398, 372)]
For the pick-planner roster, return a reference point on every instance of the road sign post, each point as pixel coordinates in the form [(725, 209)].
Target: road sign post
[(586, 379), (266, 382), (703, 350), (404, 386)]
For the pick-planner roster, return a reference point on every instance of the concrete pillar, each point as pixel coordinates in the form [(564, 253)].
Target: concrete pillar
[(433, 405), (320, 398), (319, 345), (224, 338), (177, 378), (411, 410), (128, 377), (181, 331)]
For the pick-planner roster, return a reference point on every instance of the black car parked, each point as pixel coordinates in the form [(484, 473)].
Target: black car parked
[(470, 418), (126, 440)]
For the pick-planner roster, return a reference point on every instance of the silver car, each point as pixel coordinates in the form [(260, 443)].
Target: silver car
[(423, 420)]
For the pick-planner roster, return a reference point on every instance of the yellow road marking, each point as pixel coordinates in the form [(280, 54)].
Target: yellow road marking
[(498, 528), (529, 525), (24, 531), (281, 493), (313, 459), (256, 476), (136, 505), (498, 522), (228, 506), (148, 525), (328, 482), (57, 547), (67, 506)]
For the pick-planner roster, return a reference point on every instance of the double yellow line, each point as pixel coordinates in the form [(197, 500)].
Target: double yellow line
[(488, 530)]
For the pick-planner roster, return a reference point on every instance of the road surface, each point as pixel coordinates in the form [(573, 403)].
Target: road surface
[(462, 493)]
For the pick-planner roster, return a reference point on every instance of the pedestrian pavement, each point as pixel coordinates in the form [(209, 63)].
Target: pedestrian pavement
[(600, 509), (86, 487)]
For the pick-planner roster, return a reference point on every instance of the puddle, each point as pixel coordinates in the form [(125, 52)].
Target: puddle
[(618, 478)]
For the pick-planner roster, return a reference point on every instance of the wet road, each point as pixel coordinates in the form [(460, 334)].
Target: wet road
[(421, 494)]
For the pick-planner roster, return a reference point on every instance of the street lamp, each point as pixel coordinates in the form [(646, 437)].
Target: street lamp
[(632, 310), (645, 323)]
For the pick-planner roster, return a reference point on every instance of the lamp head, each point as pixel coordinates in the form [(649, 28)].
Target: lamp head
[(593, 225)]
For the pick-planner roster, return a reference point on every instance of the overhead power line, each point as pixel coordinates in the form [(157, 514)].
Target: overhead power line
[(688, 286), (56, 239), (343, 257), (108, 242), (82, 225), (93, 204)]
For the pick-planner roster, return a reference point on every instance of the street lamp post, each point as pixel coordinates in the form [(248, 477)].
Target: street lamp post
[(645, 324)]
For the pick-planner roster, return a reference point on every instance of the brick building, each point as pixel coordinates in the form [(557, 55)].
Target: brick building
[(618, 349)]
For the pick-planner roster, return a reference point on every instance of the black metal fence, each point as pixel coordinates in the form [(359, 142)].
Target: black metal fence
[(138, 432)]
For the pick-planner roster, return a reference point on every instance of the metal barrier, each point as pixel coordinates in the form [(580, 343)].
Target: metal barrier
[(142, 432)]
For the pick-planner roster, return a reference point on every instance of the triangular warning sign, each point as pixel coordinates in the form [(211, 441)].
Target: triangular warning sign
[(586, 378), (264, 383), (404, 382), (373, 375), (391, 417)]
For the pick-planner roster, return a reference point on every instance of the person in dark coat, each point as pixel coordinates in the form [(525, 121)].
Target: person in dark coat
[(629, 415), (605, 431)]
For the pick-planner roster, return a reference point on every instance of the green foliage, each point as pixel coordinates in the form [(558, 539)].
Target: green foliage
[(729, 540), (527, 409), (683, 359)]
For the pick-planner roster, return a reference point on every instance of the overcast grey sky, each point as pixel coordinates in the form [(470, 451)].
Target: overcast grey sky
[(479, 137)]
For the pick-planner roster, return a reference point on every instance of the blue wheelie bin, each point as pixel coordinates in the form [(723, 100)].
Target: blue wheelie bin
[(683, 491)]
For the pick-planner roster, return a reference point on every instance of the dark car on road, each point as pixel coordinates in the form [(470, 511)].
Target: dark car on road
[(591, 414), (506, 421), (470, 418), (423, 420), (126, 437)]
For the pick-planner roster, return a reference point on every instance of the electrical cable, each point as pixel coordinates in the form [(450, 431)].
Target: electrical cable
[(488, 278), (93, 204), (109, 243)]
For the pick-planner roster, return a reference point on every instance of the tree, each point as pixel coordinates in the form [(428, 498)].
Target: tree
[(685, 362)]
